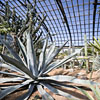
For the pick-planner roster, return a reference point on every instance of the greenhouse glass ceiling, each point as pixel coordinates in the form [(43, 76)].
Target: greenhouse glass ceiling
[(65, 19)]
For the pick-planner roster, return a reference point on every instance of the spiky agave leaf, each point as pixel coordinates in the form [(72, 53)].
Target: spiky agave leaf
[(11, 89), (95, 90), (85, 93), (17, 64), (34, 74), (22, 48), (11, 50), (59, 92), (27, 94), (31, 56)]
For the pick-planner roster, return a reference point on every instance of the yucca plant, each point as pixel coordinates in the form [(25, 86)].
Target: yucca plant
[(95, 90), (35, 73), (96, 44)]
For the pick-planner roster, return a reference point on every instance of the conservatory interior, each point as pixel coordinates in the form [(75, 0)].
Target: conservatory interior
[(49, 49)]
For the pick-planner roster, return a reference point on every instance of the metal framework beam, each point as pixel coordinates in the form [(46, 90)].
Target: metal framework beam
[(94, 16), (65, 18), (43, 24)]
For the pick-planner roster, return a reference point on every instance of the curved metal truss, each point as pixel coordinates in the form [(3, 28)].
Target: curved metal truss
[(66, 19)]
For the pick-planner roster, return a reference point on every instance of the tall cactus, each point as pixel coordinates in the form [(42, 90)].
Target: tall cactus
[(15, 26)]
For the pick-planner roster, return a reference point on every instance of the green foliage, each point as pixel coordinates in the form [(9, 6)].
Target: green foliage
[(89, 51), (4, 28), (5, 21), (62, 55), (37, 97), (1, 48), (34, 73), (96, 45)]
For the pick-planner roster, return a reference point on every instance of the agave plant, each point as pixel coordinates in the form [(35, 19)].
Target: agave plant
[(35, 73)]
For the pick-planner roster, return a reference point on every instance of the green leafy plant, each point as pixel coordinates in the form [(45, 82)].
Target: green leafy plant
[(96, 44), (4, 29), (35, 73), (95, 90), (5, 20), (62, 55), (1, 48)]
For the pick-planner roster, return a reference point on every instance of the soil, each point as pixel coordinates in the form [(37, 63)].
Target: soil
[(79, 73)]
